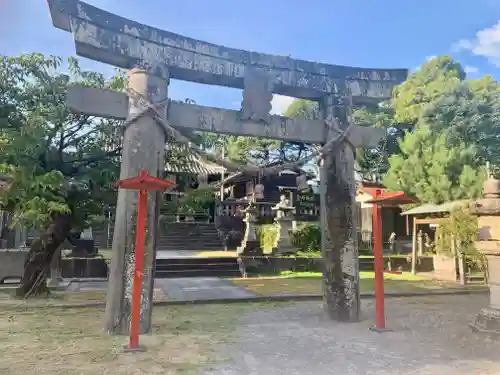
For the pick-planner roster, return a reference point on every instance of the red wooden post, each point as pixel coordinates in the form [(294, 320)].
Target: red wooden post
[(139, 265), (378, 202), (144, 182), (379, 265)]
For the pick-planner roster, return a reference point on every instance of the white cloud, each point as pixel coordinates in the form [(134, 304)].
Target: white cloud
[(280, 103), (486, 43), (462, 45), (471, 69)]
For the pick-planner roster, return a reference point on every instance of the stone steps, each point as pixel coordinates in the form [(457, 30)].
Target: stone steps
[(196, 267), (190, 236), (175, 236)]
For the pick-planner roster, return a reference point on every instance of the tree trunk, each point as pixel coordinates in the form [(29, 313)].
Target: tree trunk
[(40, 256)]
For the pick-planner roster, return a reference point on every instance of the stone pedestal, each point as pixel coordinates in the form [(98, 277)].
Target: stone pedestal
[(250, 245), (488, 211), (284, 221), (488, 319)]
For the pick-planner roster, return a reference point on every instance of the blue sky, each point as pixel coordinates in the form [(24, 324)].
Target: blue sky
[(366, 33)]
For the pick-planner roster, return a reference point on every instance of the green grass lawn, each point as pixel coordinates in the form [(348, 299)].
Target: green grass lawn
[(311, 283)]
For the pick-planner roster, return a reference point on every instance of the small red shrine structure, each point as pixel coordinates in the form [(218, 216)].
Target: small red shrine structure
[(380, 200), (143, 183)]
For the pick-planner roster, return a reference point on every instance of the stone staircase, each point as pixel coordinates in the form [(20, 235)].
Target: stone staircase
[(189, 236), (196, 267), (173, 236)]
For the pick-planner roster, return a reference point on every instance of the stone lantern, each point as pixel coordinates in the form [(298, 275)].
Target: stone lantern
[(284, 220), (250, 245), (488, 243), (259, 191)]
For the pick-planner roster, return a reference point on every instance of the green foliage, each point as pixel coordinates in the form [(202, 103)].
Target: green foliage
[(455, 130), (303, 109), (469, 113), (268, 236), (55, 161), (372, 162), (434, 172), (261, 151), (196, 200), (307, 237), (428, 84), (461, 227)]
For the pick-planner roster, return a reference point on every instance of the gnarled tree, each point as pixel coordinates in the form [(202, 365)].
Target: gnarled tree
[(60, 166)]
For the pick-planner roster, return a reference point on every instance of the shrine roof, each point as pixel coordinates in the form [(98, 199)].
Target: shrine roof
[(188, 161), (392, 198), (430, 208), (247, 176), (369, 187)]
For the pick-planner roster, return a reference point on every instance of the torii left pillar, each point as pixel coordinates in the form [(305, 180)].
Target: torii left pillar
[(143, 149)]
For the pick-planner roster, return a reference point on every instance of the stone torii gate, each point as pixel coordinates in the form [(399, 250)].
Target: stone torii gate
[(153, 56)]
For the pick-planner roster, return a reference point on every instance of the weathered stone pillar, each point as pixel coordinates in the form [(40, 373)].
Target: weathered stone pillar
[(338, 221), (143, 149), (488, 212)]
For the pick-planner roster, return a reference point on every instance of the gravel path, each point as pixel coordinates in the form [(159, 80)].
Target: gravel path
[(430, 337)]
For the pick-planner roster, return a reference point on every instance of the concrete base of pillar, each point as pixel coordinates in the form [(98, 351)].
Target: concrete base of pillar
[(380, 330), (487, 321), (140, 349)]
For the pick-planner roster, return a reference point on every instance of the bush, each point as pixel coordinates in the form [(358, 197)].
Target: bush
[(268, 235), (461, 227), (307, 237)]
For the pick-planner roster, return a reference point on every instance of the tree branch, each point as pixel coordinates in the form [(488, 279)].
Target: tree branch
[(77, 127), (88, 160)]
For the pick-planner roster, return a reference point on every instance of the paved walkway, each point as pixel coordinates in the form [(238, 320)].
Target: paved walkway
[(430, 337), (201, 288), (179, 289)]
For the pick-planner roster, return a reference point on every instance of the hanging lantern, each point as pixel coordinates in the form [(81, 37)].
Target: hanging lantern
[(259, 188), (259, 191), (301, 181)]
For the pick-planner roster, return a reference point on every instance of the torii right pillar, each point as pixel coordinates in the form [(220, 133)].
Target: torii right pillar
[(338, 219)]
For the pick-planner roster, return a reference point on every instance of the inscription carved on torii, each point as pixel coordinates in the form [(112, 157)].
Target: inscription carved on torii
[(106, 37)]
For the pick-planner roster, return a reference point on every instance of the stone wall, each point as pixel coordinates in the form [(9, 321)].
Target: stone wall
[(12, 264), (275, 265)]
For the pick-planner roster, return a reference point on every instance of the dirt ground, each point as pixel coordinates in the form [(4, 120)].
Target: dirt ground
[(54, 341), (430, 336)]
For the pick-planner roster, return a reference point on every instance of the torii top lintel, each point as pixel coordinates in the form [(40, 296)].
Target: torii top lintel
[(106, 37)]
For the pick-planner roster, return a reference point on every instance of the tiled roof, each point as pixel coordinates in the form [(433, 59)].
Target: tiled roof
[(187, 161)]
